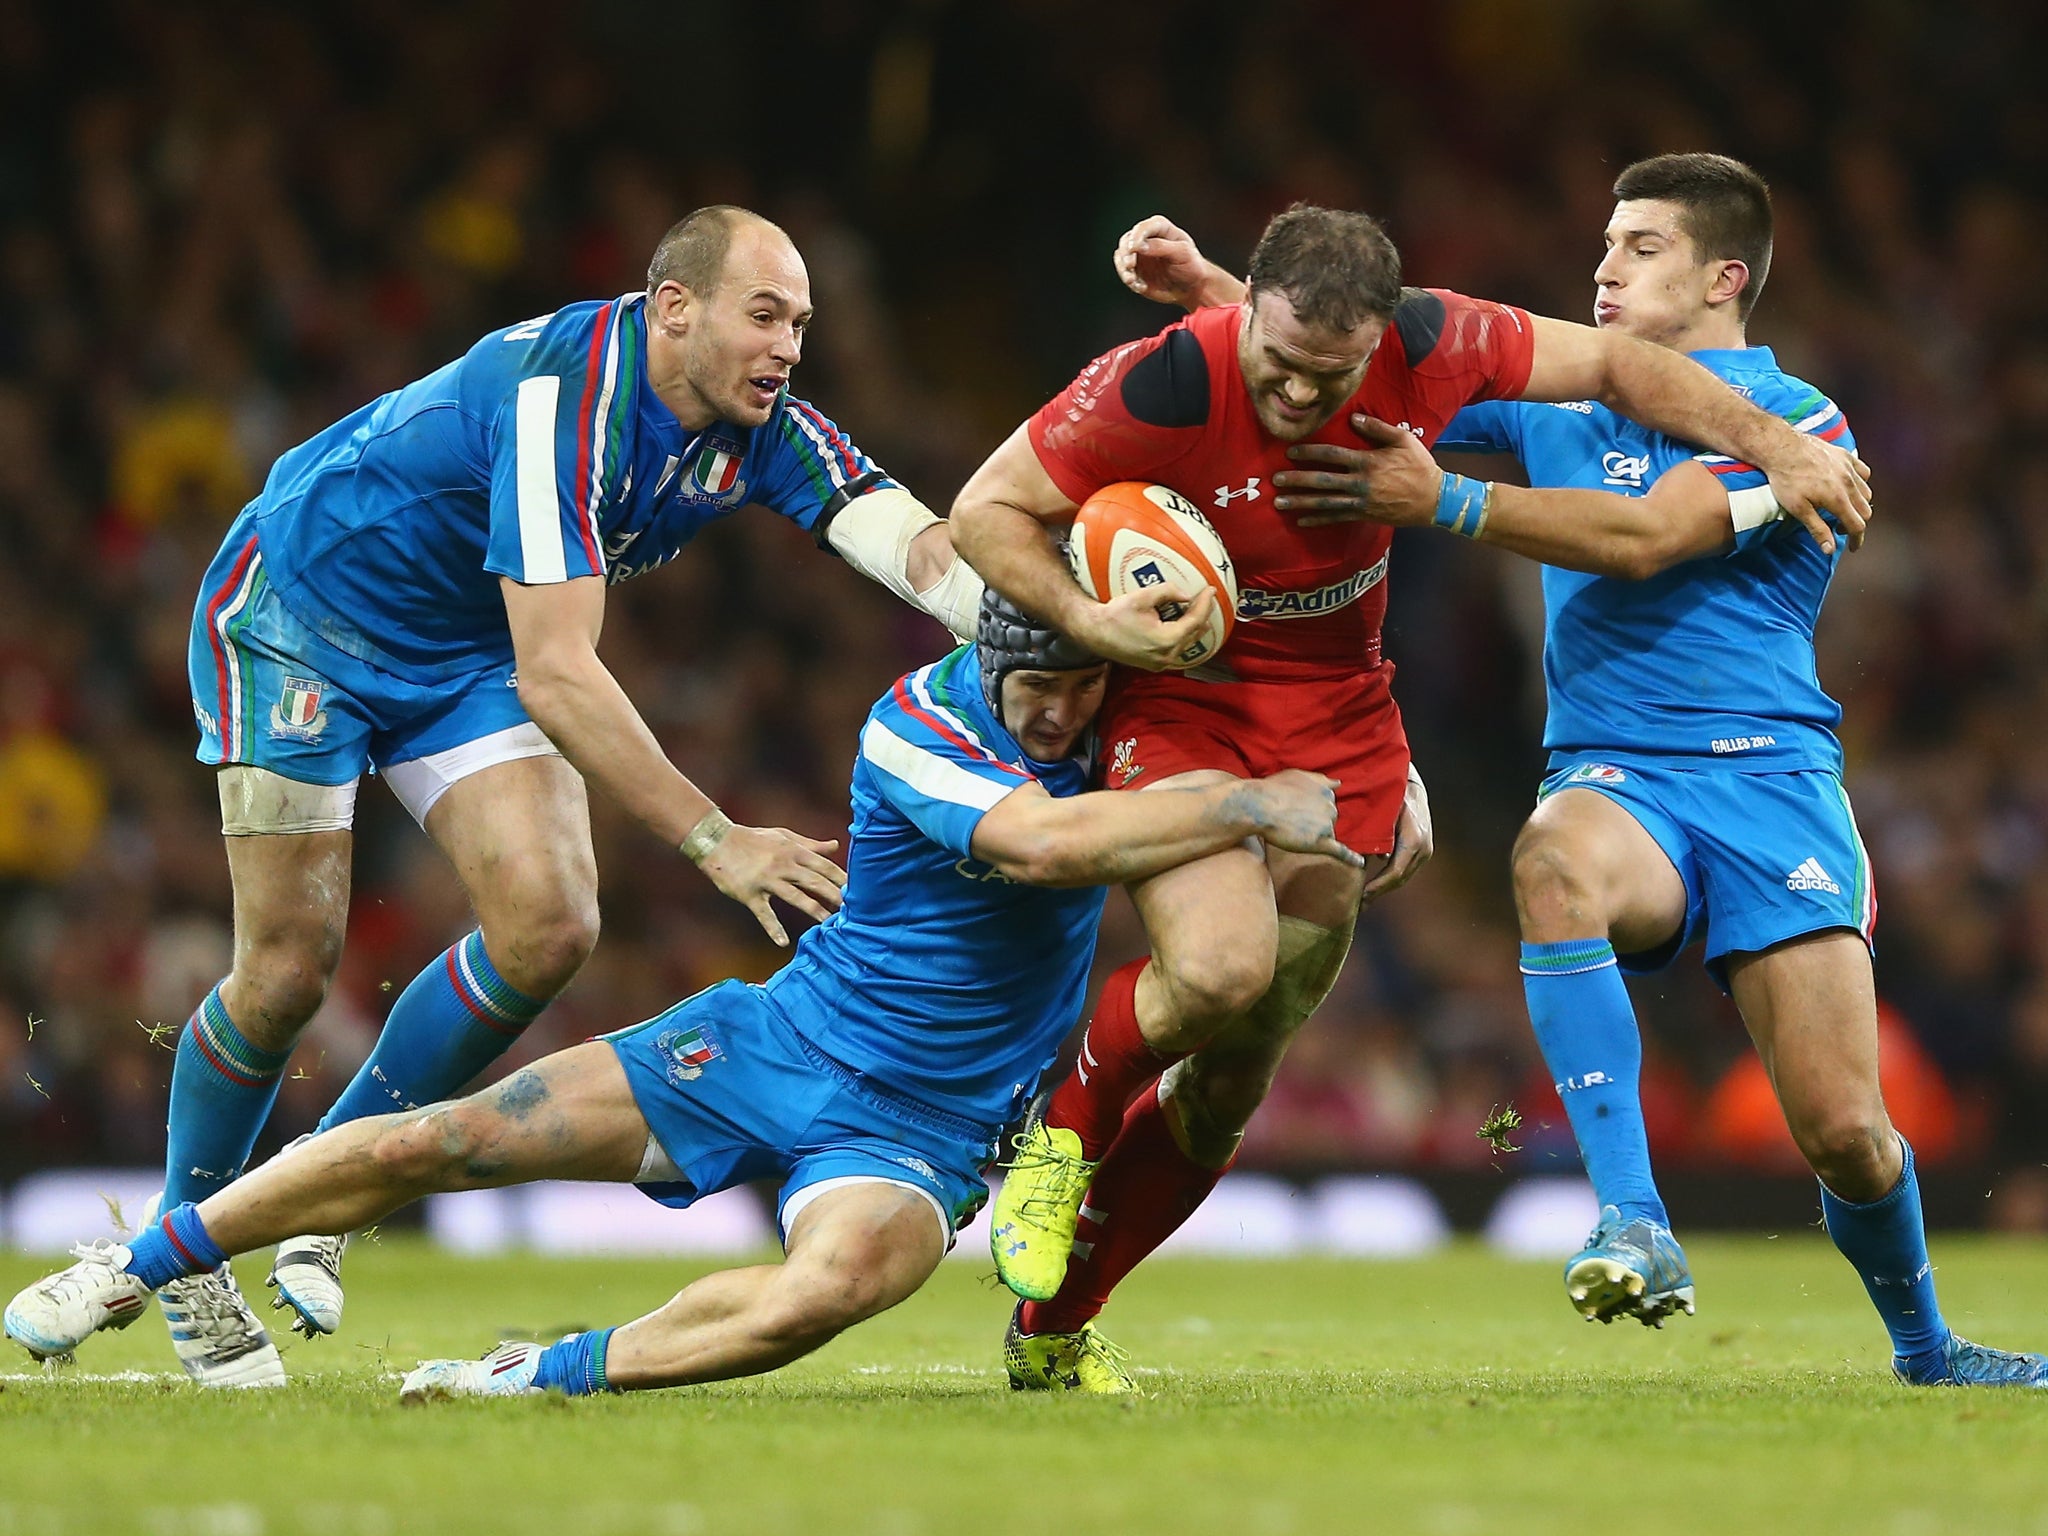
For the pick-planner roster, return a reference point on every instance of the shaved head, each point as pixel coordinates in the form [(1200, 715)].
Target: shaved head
[(693, 252)]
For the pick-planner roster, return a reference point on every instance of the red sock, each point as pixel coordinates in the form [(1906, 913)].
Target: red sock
[(1115, 1063), (1144, 1190)]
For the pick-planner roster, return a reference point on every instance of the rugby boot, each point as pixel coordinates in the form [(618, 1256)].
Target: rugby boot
[(1629, 1269), (307, 1278), (507, 1371), (214, 1330), (1031, 1221), (59, 1312), (1064, 1362), (1963, 1364)]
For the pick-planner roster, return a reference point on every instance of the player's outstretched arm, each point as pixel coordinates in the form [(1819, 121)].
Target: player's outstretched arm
[(1685, 514), (1003, 526), (1671, 393), (1158, 260), (1111, 837), (573, 697)]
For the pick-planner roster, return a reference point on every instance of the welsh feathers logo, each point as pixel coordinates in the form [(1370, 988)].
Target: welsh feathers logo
[(297, 715), (686, 1053), (1123, 765)]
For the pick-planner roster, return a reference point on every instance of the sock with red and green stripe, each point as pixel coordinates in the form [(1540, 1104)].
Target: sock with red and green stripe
[(174, 1246), (456, 1018), (222, 1087)]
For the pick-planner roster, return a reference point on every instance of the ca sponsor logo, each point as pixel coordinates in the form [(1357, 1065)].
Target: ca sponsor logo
[(974, 869), (1624, 469)]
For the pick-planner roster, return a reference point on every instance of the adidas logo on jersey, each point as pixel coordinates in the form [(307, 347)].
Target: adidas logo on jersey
[(1811, 877)]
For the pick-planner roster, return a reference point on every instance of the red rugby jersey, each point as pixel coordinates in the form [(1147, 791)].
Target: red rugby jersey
[(1173, 409)]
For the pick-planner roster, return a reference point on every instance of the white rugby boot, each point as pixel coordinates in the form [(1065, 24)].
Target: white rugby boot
[(214, 1330), (507, 1371), (59, 1312), (307, 1278)]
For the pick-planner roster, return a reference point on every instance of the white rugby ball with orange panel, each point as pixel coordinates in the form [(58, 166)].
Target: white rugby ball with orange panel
[(1131, 535)]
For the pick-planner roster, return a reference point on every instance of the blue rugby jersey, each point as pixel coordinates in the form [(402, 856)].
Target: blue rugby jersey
[(938, 977), (1710, 662), (540, 454)]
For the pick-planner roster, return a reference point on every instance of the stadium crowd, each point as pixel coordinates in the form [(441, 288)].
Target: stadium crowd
[(221, 227)]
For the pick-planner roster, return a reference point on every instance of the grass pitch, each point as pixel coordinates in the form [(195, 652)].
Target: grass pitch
[(1457, 1394)]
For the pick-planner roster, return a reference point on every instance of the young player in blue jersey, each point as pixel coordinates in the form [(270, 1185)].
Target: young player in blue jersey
[(871, 1075), (1694, 789), (417, 592)]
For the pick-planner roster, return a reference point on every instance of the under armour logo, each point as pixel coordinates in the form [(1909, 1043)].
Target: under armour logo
[(1225, 495)]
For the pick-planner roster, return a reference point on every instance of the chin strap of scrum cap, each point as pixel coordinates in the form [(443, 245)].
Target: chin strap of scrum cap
[(1010, 640)]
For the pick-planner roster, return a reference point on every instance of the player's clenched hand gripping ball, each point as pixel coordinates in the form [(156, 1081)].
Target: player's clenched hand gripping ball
[(1131, 536)]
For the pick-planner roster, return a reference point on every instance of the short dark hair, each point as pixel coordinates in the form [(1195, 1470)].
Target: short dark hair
[(1338, 269), (693, 251), (1727, 210)]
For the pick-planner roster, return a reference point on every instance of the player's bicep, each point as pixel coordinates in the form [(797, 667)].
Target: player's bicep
[(1014, 476), (555, 625), (940, 783), (544, 491), (1016, 832), (1567, 361), (1690, 506)]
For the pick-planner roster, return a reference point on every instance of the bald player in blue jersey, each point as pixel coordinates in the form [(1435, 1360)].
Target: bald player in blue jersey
[(418, 592), (1695, 783), (870, 1077)]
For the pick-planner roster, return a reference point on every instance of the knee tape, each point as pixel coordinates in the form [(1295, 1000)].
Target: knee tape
[(255, 802)]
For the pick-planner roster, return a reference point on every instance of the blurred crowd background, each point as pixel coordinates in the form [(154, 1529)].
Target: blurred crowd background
[(222, 226)]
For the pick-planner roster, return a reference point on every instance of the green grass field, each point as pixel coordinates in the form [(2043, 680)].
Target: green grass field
[(1456, 1394)]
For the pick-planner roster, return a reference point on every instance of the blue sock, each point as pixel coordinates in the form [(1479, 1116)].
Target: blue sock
[(222, 1088), (456, 1018), (174, 1246), (576, 1364), (1586, 1028), (1887, 1242)]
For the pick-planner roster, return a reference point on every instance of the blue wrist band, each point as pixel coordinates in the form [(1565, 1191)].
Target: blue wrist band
[(1461, 504)]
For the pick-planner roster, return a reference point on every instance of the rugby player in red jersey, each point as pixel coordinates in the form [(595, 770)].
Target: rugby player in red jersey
[(1246, 943)]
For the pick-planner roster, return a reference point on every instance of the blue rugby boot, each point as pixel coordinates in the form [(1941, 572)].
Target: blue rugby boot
[(1629, 1269), (1959, 1363)]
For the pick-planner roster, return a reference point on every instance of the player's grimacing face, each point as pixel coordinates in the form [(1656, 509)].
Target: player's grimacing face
[(1651, 284), (1048, 711), (746, 335), (1299, 376)]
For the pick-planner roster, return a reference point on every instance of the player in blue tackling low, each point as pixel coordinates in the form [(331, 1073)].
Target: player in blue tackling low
[(871, 1075), (417, 591), (1694, 789)]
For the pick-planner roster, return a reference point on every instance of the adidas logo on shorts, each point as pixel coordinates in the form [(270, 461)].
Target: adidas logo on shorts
[(1811, 877)]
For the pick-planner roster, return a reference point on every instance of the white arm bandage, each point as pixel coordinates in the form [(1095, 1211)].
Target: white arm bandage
[(873, 533), (1753, 508)]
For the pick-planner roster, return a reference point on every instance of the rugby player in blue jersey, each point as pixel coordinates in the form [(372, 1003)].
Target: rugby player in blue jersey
[(1694, 789), (418, 591), (871, 1076)]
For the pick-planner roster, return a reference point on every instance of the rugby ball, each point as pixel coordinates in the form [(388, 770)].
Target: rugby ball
[(1131, 535)]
